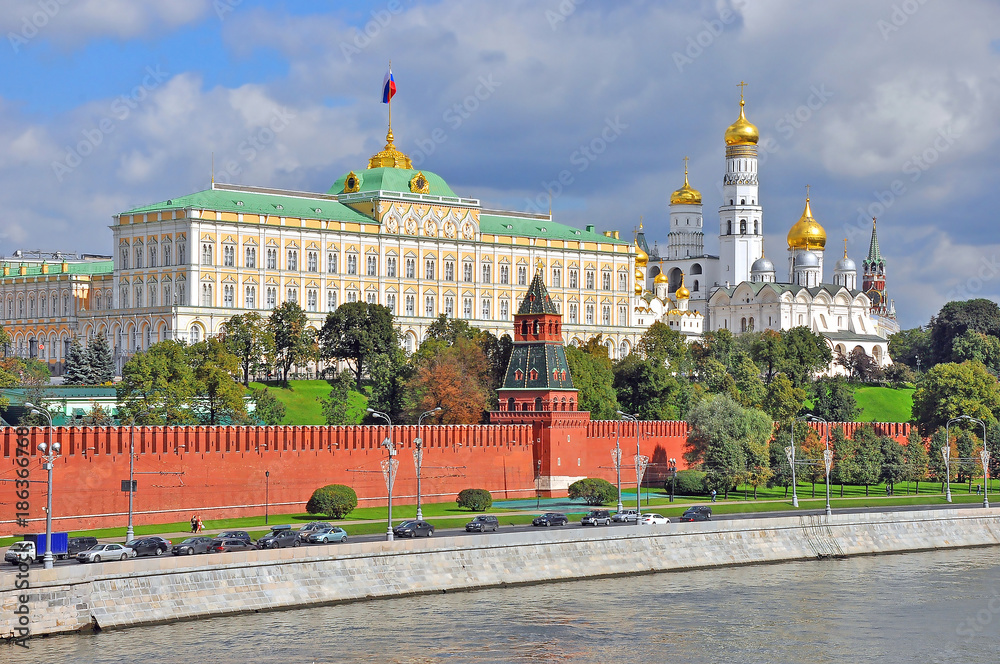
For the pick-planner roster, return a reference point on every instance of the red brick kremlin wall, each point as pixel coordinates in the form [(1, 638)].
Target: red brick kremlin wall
[(218, 472)]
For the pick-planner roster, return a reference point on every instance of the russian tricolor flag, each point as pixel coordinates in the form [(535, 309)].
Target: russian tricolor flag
[(388, 86)]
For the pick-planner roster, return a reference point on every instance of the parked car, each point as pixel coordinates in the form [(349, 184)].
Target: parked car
[(280, 537), (223, 545), (482, 523), (413, 529), (327, 535), (597, 518), (235, 534), (650, 518), (78, 544), (551, 519), (191, 546), (147, 546), (697, 513), (310, 528), (625, 516), (101, 552)]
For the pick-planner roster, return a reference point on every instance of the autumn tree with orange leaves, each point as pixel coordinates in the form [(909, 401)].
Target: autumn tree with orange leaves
[(454, 377)]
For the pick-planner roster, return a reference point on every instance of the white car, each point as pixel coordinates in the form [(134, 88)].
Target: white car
[(100, 552), (649, 519)]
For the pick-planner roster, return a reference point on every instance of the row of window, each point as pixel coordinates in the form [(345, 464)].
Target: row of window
[(43, 310), (133, 257)]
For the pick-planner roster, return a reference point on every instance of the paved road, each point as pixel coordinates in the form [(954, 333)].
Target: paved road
[(310, 549)]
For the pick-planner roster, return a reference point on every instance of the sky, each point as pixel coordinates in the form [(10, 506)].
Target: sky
[(885, 108)]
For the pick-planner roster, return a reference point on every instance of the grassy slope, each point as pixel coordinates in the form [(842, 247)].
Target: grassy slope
[(301, 405), (884, 404)]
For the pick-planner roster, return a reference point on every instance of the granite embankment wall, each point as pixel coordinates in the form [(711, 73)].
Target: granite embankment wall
[(219, 472), (137, 592)]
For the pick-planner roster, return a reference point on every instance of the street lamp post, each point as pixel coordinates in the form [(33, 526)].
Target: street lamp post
[(673, 477), (946, 450), (418, 455), (129, 531), (790, 453), (640, 464), (827, 458), (267, 489), (946, 455), (50, 452), (984, 456), (538, 485), (388, 468), (616, 455)]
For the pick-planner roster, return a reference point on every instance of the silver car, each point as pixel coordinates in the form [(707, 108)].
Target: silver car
[(100, 552)]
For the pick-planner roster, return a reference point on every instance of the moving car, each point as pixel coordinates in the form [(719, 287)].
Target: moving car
[(101, 552), (280, 537), (224, 545), (413, 528), (625, 516), (147, 546), (482, 523), (311, 527), (551, 519), (650, 518), (236, 534), (327, 535), (78, 544), (697, 513), (191, 546), (597, 518)]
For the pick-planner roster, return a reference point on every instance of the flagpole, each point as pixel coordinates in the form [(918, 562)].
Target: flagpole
[(390, 97)]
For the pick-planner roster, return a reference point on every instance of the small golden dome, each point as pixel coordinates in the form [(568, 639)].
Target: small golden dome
[(641, 259), (682, 293), (806, 233), (661, 278), (389, 156), (742, 132), (686, 195)]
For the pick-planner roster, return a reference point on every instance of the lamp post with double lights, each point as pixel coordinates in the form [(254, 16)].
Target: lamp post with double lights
[(418, 455), (129, 531), (790, 454), (984, 456), (827, 458), (49, 451), (389, 467), (267, 489), (616, 456), (672, 467), (640, 464), (946, 449)]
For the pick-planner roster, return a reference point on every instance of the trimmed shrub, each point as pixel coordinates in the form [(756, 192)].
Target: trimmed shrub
[(333, 500), (689, 483), (594, 491), (477, 500)]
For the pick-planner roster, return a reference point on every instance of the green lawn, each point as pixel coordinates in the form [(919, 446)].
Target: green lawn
[(301, 404), (884, 404)]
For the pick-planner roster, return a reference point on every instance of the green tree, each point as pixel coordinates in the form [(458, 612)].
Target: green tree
[(357, 332), (33, 378), (497, 351), (268, 409), (334, 500), (968, 464), (977, 347), (806, 353), (448, 330), (717, 345), (100, 360), (389, 374), (157, 386), (767, 350), (646, 387), (220, 395), (247, 338), (781, 400), (917, 459), (907, 346), (293, 340), (746, 376), (664, 345), (336, 405), (477, 500), (955, 319), (845, 450), (949, 390), (894, 468), (868, 456), (834, 400), (781, 472), (594, 491), (935, 459), (77, 369), (594, 380)]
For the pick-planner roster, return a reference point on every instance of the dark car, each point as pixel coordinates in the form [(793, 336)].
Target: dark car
[(223, 545), (482, 523), (551, 519), (697, 513), (597, 518), (279, 538), (413, 529), (191, 546), (147, 546), (78, 544), (310, 528), (235, 534)]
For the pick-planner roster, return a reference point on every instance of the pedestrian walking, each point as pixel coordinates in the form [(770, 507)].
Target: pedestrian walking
[(198, 524), (713, 495), (194, 524)]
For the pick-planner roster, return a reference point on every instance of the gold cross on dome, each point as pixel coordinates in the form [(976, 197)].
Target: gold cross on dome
[(685, 165), (741, 85), (807, 191)]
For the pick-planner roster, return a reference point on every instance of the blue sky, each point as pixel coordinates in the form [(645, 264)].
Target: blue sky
[(883, 107)]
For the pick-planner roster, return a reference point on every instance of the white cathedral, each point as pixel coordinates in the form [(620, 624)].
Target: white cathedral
[(739, 290)]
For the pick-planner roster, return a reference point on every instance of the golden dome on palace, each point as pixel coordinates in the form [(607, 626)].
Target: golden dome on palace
[(686, 195), (806, 233), (641, 259), (742, 132), (682, 293)]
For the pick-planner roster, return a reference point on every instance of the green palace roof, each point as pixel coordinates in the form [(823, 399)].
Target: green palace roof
[(373, 180), (55, 269), (524, 226)]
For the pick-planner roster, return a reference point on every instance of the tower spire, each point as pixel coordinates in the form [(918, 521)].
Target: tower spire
[(874, 255)]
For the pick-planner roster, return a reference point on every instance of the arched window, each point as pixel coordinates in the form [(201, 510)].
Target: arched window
[(743, 226), (511, 404), (743, 325), (538, 403), (729, 226)]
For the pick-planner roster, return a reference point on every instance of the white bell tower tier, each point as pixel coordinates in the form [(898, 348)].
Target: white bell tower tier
[(687, 237), (741, 230)]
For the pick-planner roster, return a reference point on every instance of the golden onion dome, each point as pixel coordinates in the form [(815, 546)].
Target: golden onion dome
[(661, 278), (806, 233), (682, 293), (641, 259), (686, 195), (742, 132)]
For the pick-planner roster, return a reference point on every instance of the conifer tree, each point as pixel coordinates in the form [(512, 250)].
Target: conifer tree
[(77, 365), (102, 365)]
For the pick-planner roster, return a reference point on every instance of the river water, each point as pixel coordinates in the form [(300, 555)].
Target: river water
[(941, 606)]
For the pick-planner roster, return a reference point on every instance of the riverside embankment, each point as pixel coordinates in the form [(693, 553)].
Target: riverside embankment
[(130, 593)]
